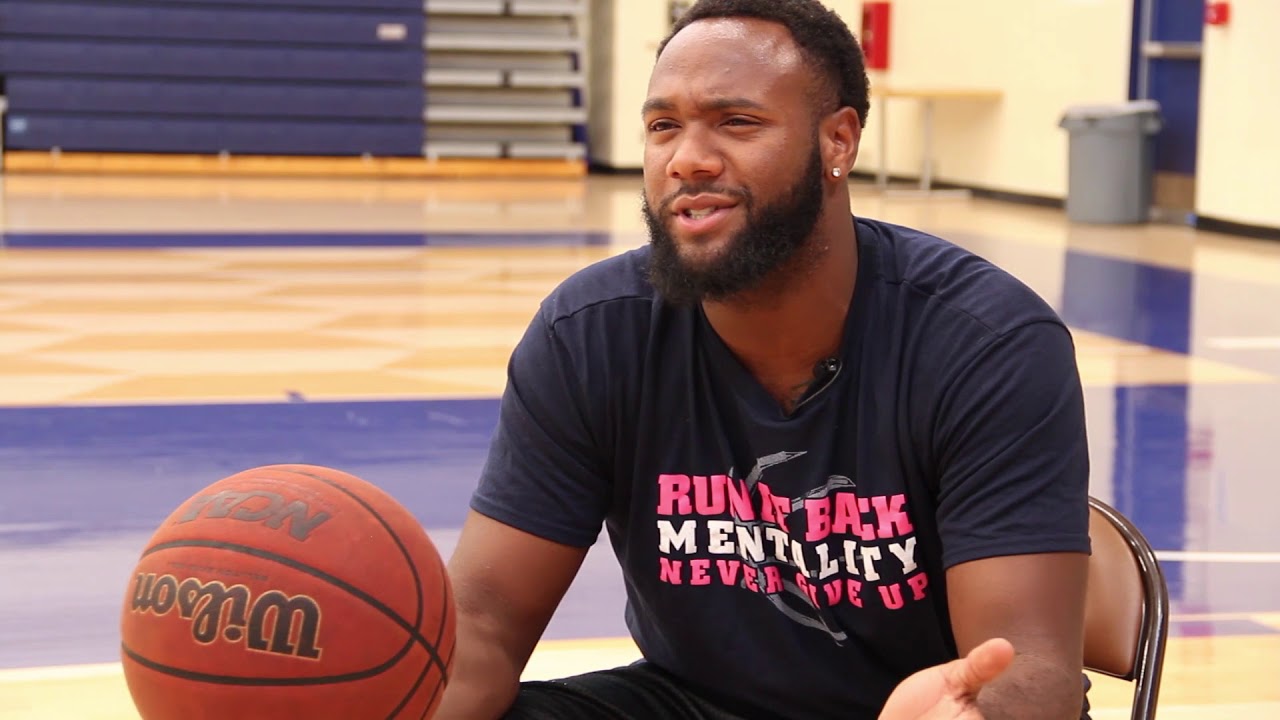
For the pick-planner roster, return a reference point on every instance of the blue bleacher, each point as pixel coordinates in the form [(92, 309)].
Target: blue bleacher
[(340, 4), (306, 77), (245, 62), (401, 29), (150, 134), (99, 96)]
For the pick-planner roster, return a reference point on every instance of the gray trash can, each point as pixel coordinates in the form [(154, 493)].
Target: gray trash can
[(1109, 164)]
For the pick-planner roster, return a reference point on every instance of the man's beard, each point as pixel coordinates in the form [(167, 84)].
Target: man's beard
[(772, 239)]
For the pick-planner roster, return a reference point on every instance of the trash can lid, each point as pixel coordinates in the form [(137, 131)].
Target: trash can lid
[(1096, 112)]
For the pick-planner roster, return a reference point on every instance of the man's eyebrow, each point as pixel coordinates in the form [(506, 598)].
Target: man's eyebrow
[(713, 104), (656, 104), (730, 103)]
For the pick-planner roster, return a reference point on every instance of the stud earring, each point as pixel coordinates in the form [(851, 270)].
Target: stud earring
[(835, 172)]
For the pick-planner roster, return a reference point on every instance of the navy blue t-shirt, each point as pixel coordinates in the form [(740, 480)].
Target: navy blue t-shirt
[(793, 566)]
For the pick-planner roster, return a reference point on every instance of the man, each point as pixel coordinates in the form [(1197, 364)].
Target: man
[(832, 455)]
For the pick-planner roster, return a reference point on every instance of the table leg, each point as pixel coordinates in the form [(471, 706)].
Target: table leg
[(882, 176), (926, 171)]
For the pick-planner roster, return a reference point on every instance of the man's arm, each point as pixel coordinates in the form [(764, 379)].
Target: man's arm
[(1037, 603), (506, 584), (1013, 517), (538, 506)]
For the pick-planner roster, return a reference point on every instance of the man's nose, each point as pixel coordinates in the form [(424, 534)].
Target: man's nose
[(695, 156)]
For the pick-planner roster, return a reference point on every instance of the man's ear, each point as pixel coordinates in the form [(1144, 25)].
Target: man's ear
[(840, 134)]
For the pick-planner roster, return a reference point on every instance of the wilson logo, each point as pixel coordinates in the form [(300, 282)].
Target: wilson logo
[(273, 622), (258, 506)]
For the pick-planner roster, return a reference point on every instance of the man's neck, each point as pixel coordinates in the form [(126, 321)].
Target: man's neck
[(781, 331)]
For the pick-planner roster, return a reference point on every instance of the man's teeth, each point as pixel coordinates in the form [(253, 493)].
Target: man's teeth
[(699, 214)]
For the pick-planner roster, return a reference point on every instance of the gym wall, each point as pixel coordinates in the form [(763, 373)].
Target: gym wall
[(1013, 144), (1042, 56), (1238, 152)]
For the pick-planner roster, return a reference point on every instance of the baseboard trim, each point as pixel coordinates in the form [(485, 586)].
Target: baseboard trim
[(1229, 227), (599, 169), (1008, 196), (1201, 222), (1018, 198)]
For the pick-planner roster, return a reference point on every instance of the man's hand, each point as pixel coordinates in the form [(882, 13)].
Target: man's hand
[(949, 691), (1036, 602)]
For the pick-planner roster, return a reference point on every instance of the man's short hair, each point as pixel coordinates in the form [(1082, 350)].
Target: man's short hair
[(823, 38)]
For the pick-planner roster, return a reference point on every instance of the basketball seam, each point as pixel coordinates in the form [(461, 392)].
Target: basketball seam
[(264, 681), (430, 701), (446, 606), (433, 650), (373, 602)]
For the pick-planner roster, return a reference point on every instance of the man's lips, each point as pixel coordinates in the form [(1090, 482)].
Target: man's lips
[(701, 204)]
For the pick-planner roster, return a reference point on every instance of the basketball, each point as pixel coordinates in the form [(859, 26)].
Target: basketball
[(288, 591)]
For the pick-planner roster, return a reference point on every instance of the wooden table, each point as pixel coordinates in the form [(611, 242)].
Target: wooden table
[(928, 97)]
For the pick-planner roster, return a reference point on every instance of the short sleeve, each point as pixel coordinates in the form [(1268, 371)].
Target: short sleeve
[(1013, 451), (543, 473)]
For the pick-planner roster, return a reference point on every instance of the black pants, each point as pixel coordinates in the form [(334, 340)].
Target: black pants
[(638, 691)]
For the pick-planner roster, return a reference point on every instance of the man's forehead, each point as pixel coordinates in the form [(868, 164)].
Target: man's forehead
[(725, 43)]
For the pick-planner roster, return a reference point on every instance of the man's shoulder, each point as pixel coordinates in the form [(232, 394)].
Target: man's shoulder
[(617, 284), (962, 285)]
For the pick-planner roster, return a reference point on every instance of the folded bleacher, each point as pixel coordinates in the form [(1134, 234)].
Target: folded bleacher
[(385, 78)]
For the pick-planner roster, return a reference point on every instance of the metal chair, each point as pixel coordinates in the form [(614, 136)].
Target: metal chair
[(1127, 607)]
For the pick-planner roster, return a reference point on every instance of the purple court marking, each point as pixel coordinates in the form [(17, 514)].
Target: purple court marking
[(215, 240), (1211, 628), (81, 488)]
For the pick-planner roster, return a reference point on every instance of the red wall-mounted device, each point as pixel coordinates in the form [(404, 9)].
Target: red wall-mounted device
[(875, 35), (1217, 13)]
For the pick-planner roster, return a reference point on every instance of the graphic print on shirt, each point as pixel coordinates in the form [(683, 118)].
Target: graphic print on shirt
[(807, 555)]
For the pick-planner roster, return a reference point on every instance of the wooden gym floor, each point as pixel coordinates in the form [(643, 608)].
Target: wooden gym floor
[(158, 334)]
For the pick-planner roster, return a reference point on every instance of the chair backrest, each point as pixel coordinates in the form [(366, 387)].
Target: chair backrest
[(1127, 607)]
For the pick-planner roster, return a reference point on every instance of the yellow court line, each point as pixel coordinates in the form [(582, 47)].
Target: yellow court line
[(97, 670), (1229, 683), (10, 676), (285, 166)]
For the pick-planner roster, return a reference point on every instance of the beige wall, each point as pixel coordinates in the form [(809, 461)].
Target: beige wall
[(1013, 145), (1239, 153), (625, 36), (1033, 52), (1041, 55)]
